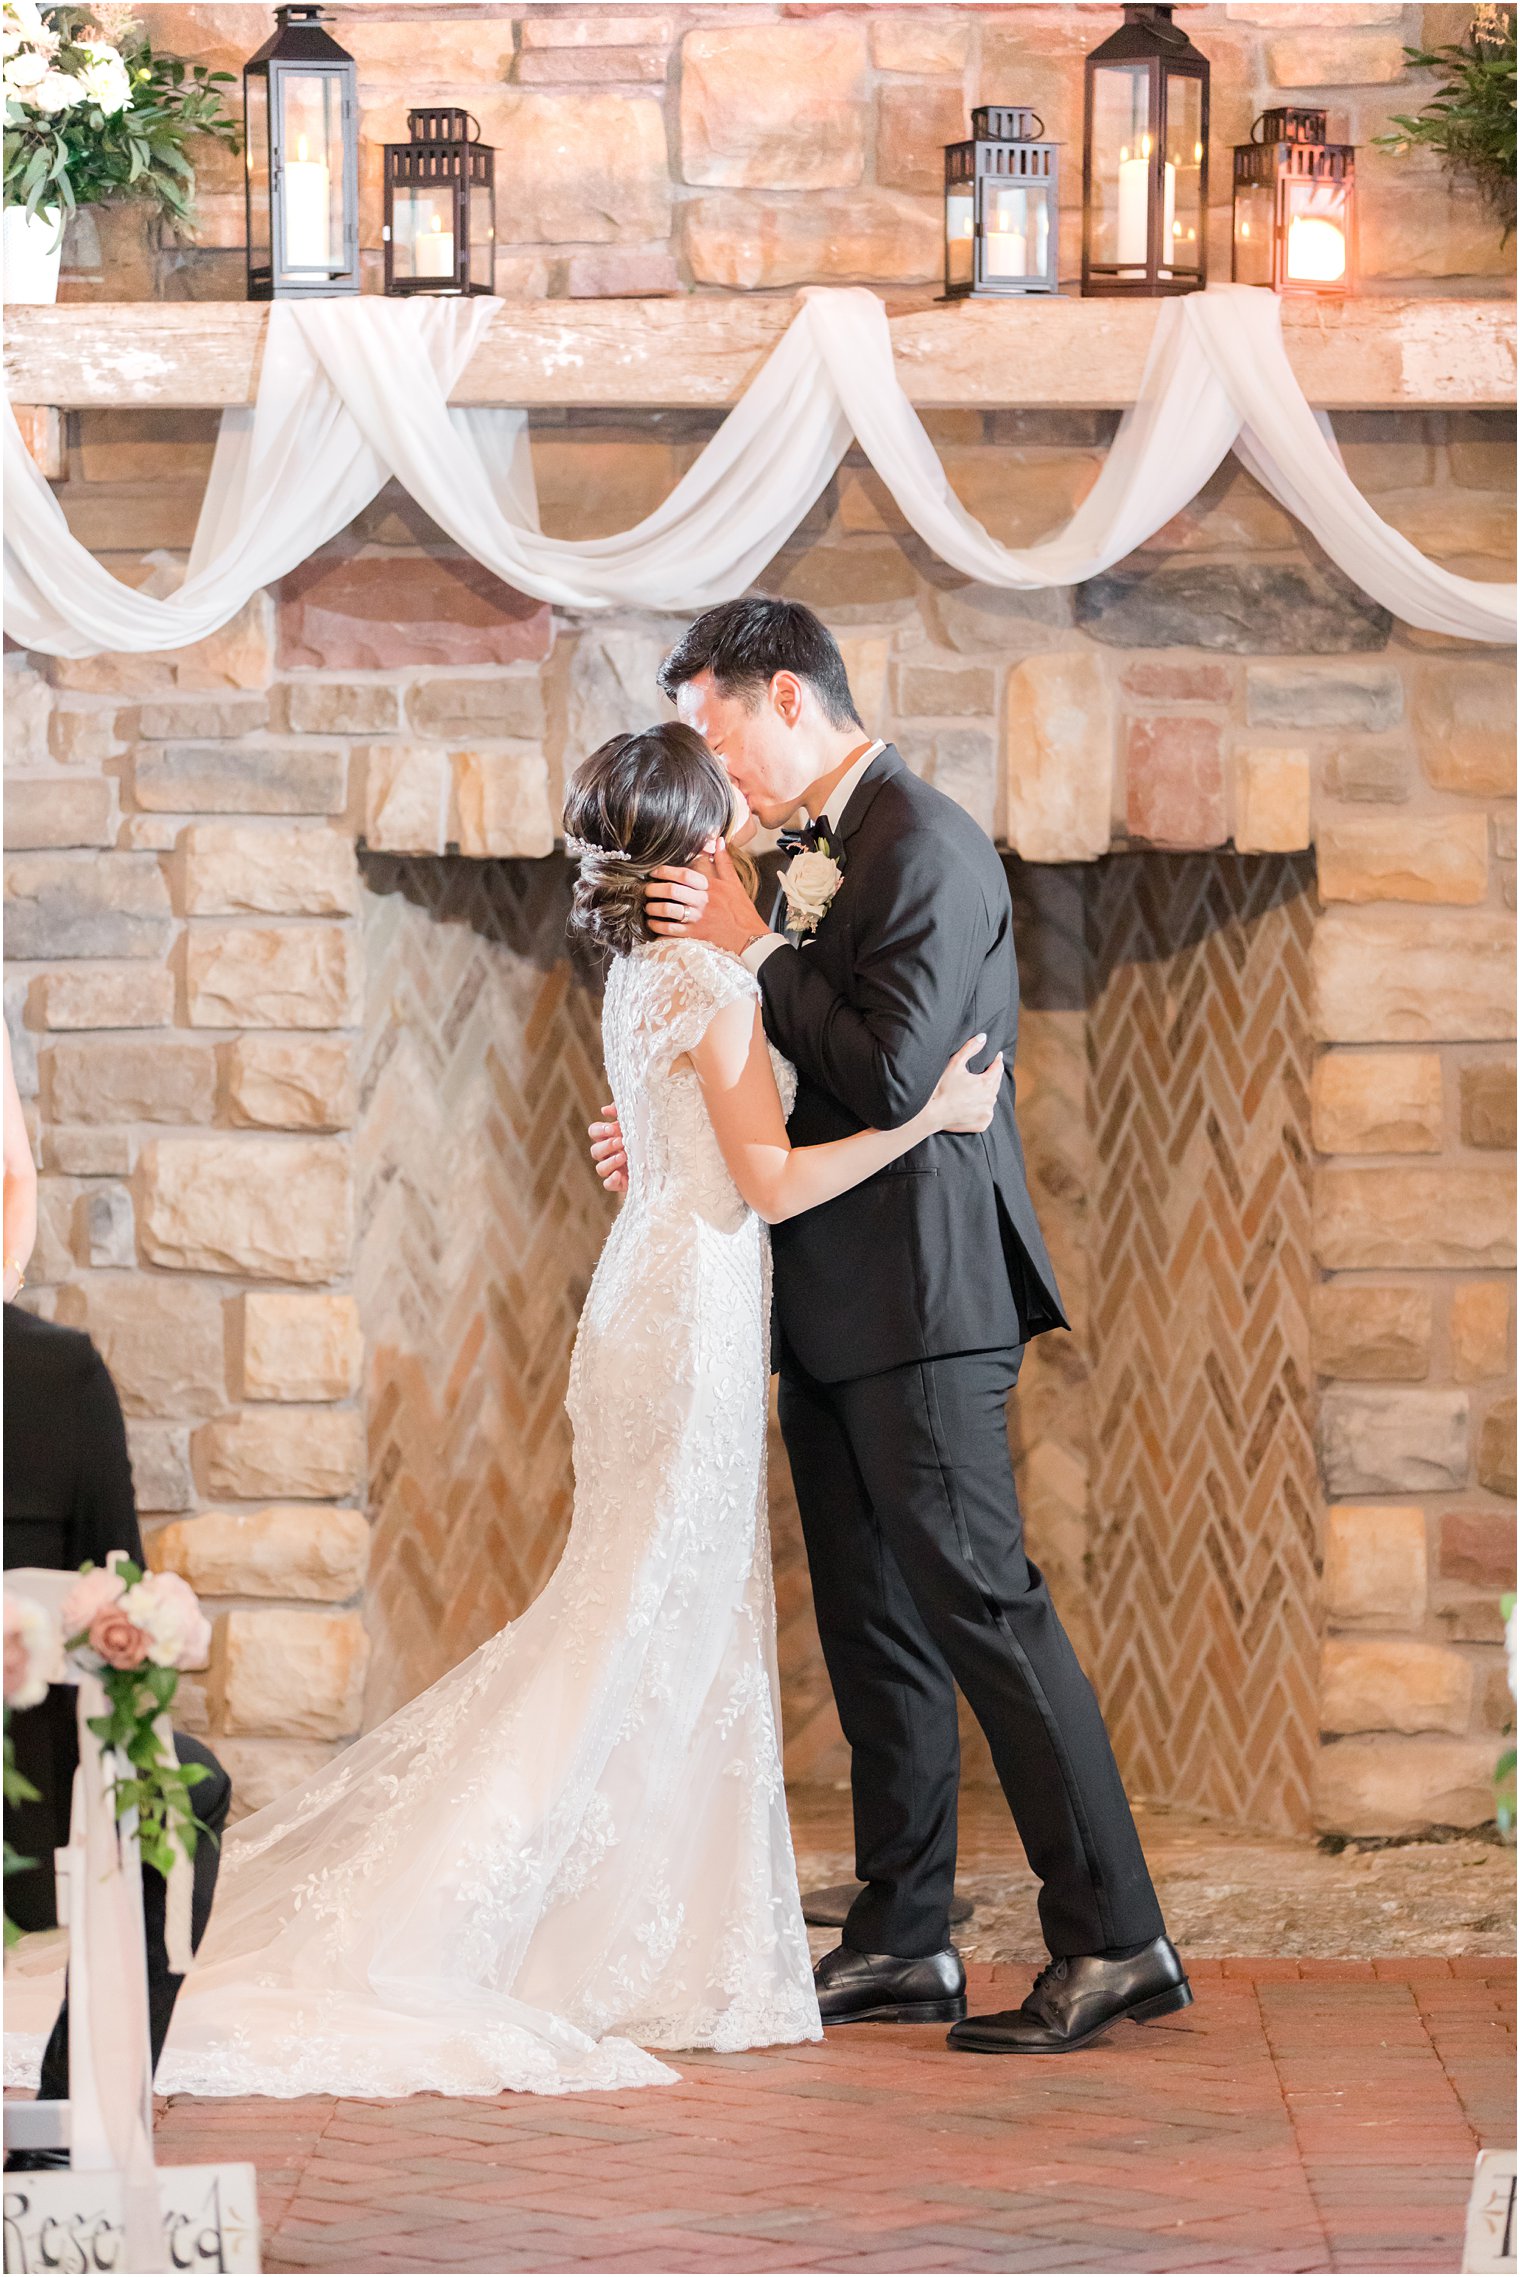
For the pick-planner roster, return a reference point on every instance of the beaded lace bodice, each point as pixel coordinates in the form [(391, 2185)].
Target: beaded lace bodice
[(574, 1847)]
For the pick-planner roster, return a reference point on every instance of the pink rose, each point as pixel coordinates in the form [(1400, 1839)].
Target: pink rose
[(117, 1638), (90, 1592)]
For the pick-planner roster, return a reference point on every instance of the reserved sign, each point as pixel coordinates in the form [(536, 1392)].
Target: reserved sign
[(1490, 2240), (59, 2221)]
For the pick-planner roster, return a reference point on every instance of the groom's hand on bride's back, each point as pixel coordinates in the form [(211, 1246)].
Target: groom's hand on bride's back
[(608, 1153)]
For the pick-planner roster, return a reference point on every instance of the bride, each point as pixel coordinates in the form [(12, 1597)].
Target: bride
[(574, 1848)]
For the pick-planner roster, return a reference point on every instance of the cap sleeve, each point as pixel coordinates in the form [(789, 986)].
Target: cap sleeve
[(700, 981)]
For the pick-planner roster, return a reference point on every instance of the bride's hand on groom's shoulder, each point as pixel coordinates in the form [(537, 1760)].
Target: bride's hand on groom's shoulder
[(705, 904), (608, 1153)]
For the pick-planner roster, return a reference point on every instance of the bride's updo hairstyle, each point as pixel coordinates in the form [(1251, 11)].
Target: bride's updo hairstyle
[(641, 800)]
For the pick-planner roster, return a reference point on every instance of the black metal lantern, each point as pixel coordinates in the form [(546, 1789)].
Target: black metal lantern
[(1295, 207), (1145, 159), (440, 207), (1002, 206), (301, 121)]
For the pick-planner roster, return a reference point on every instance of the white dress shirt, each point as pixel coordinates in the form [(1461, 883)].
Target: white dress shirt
[(832, 815)]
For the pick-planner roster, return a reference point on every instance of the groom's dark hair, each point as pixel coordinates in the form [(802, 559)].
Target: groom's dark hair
[(744, 644)]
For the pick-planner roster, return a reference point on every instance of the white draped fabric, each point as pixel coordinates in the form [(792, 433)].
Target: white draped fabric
[(354, 392)]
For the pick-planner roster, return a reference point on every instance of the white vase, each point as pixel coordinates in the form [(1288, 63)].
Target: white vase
[(33, 247)]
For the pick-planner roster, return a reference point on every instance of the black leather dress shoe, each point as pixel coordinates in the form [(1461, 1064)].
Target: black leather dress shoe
[(877, 1988), (828, 1909), (1074, 2002)]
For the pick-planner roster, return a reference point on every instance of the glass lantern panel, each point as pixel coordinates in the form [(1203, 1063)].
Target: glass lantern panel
[(1121, 165), (958, 224), (311, 158), (482, 239), (1015, 230), (1182, 217), (256, 129), (422, 231), (1316, 228), (1253, 234)]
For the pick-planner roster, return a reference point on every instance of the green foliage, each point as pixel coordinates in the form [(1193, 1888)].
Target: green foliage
[(83, 156), (1470, 120), (158, 1790), (17, 1790)]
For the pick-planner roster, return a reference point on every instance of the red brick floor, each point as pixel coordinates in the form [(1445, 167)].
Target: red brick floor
[(1303, 2115)]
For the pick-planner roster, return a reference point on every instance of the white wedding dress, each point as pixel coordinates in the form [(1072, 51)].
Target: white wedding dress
[(574, 1848)]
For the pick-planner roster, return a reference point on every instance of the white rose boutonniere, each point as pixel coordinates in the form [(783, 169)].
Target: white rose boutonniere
[(810, 882)]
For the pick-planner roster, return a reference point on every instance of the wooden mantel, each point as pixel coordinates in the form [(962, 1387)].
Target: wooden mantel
[(701, 352)]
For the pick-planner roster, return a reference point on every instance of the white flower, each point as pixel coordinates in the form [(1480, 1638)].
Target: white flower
[(24, 73), (33, 1651), (168, 1612), (104, 79), (57, 91), (810, 882)]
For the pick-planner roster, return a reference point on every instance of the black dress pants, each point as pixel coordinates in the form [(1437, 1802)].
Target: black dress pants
[(920, 1584), (210, 1799)]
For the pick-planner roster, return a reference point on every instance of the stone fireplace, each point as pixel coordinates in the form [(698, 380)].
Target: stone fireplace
[(308, 1068), (311, 1071)]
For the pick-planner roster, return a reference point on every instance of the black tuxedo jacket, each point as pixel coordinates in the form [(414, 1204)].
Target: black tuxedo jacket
[(941, 1252), (68, 1497)]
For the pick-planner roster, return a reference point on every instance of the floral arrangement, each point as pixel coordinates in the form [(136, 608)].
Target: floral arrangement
[(33, 1658), (136, 1631), (33, 1652), (1470, 120), (92, 114)]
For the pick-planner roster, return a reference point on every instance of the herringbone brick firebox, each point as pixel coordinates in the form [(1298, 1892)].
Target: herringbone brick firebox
[(1205, 1563), (1165, 1094), (479, 1223)]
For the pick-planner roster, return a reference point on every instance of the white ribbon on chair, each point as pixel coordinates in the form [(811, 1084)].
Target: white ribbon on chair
[(110, 2052), (353, 392)]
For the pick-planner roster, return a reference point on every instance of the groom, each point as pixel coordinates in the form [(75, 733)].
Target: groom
[(901, 1312)]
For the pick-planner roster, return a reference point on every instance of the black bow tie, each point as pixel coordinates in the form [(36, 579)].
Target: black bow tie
[(812, 838)]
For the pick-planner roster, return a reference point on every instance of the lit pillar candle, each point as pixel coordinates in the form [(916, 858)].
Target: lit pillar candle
[(307, 193), (1134, 207), (1316, 250), (434, 250), (1007, 253)]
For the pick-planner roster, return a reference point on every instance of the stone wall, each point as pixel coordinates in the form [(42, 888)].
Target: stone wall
[(755, 147)]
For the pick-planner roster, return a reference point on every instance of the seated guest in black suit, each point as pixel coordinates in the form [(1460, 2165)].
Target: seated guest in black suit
[(68, 1497)]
